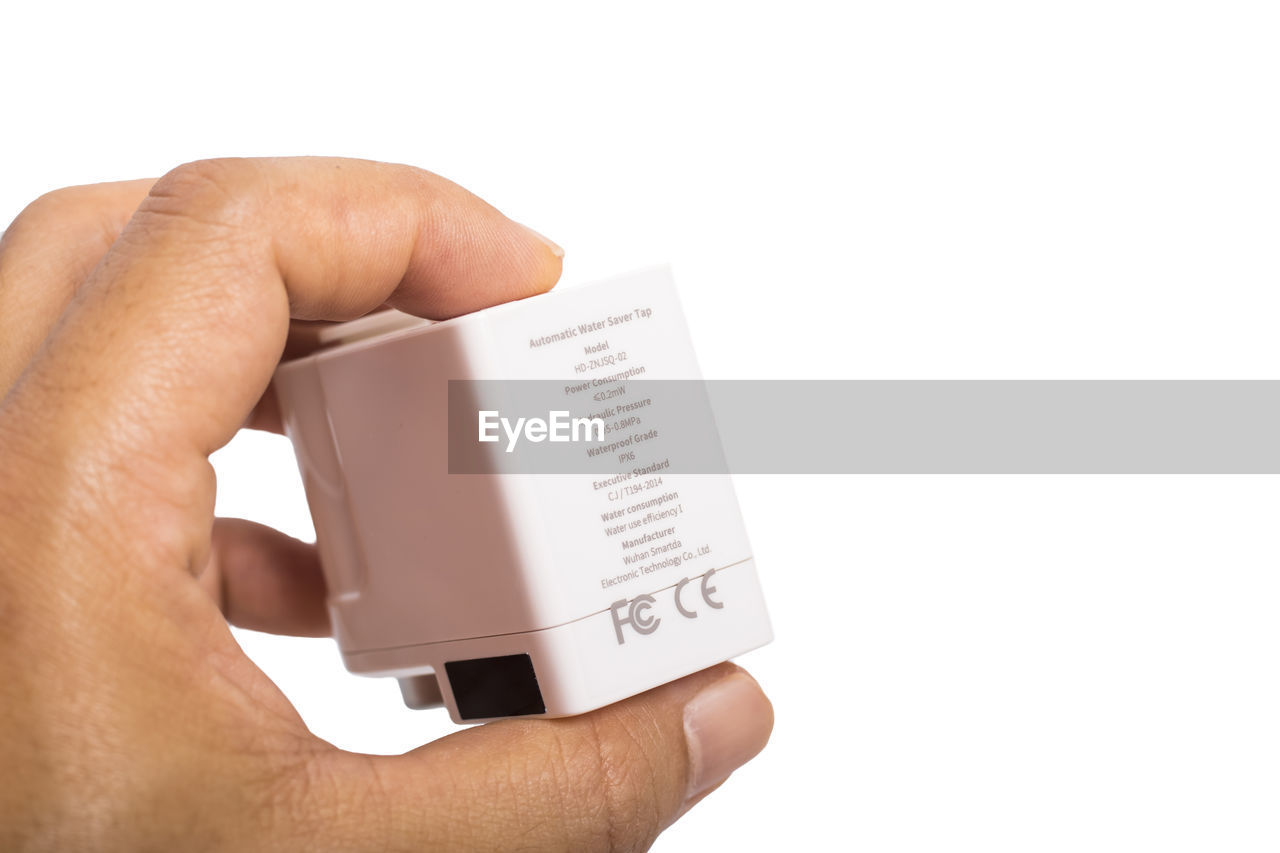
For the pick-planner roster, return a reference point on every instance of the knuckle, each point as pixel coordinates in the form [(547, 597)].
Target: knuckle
[(50, 208), (613, 790), (219, 193), (286, 801)]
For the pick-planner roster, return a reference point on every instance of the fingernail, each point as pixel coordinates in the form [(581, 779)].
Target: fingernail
[(550, 244), (725, 725)]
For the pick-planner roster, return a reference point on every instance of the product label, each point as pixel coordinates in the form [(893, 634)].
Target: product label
[(623, 453)]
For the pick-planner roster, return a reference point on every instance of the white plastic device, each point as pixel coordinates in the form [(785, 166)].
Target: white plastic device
[(503, 595)]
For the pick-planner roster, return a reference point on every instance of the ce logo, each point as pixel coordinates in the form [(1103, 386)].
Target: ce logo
[(707, 589), (638, 614)]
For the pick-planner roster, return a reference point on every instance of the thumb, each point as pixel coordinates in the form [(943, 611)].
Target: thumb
[(609, 780)]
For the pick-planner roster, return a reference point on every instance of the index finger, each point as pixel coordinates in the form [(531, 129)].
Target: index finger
[(175, 335)]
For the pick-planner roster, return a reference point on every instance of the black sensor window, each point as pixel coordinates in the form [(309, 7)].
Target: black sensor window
[(495, 687)]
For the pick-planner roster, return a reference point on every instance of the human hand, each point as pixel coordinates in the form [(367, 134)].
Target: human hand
[(140, 323)]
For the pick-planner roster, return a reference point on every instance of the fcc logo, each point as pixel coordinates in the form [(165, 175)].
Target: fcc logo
[(639, 612)]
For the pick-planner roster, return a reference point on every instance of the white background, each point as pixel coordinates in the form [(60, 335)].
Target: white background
[(875, 190)]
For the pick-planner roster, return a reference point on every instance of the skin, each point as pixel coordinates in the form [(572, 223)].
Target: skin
[(140, 323)]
